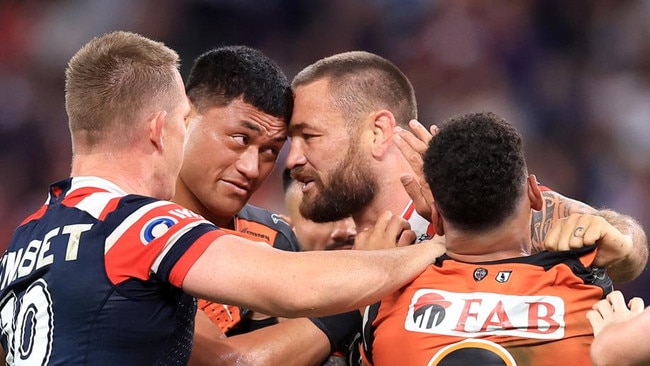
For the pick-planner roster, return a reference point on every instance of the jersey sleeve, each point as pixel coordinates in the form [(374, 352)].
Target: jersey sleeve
[(148, 236), (286, 240)]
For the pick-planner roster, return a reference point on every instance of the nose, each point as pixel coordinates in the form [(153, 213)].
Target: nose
[(344, 231), (249, 163), (296, 156)]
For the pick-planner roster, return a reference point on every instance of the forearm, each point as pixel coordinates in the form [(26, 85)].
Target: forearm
[(555, 207), (631, 266), (302, 284), (339, 281), (291, 342)]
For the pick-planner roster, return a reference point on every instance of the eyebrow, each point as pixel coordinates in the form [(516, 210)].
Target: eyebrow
[(256, 128), (295, 126)]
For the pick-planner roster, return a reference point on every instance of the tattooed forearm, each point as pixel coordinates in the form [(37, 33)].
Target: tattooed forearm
[(555, 207)]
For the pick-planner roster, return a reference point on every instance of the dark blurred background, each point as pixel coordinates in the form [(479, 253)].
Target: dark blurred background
[(574, 76)]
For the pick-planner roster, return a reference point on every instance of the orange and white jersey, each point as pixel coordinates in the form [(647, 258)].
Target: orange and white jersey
[(521, 311)]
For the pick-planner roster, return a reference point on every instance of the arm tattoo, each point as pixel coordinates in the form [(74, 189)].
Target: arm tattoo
[(555, 207)]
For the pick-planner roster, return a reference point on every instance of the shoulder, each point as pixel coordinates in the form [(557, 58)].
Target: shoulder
[(268, 226)]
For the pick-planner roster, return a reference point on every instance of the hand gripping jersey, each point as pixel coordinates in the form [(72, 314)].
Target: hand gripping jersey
[(257, 224), (521, 311), (94, 278)]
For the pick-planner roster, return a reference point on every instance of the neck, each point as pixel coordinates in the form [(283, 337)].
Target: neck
[(187, 199), (126, 172), (391, 195), (393, 199), (509, 240)]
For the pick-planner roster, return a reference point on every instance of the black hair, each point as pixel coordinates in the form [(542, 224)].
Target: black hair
[(226, 73), (476, 169)]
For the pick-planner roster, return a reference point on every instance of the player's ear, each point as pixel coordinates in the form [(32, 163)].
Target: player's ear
[(383, 123), (157, 129), (534, 193)]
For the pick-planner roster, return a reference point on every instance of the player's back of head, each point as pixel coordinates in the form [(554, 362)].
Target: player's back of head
[(117, 79), (476, 169)]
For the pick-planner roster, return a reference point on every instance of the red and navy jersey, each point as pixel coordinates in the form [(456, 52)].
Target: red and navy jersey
[(94, 278), (257, 224), (525, 311)]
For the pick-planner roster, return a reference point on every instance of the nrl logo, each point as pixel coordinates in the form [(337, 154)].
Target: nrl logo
[(503, 276)]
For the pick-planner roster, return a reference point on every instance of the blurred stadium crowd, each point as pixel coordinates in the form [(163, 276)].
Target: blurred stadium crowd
[(573, 76)]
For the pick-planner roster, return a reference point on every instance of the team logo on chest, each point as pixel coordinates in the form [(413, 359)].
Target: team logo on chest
[(483, 313)]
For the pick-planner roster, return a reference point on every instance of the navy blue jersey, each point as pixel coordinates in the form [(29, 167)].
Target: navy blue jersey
[(94, 278)]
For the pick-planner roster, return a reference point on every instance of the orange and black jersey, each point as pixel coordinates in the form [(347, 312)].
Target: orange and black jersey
[(524, 311), (257, 224)]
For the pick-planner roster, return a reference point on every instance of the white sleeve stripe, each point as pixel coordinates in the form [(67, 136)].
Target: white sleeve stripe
[(95, 203), (172, 240), (129, 222)]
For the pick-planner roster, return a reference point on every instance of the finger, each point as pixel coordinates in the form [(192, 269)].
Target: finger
[(552, 237), (594, 229), (421, 132), (396, 226), (604, 307), (573, 233), (410, 147), (596, 321), (636, 305), (567, 230), (617, 301), (382, 222), (434, 130), (361, 236), (406, 238), (421, 201)]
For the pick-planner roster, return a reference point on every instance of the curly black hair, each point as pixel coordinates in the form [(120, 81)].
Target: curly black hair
[(476, 169), (226, 73)]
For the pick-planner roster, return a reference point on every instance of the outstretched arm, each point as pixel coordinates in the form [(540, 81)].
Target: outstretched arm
[(318, 283), (622, 266)]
